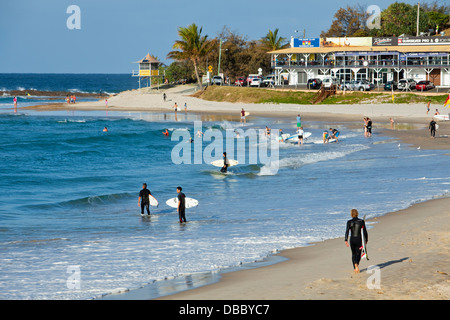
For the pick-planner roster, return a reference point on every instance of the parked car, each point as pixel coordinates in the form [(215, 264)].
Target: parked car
[(241, 81), (251, 77), (269, 80), (390, 85), (314, 83), (217, 80), (424, 85), (256, 82), (347, 85), (405, 84), (362, 85), (328, 82)]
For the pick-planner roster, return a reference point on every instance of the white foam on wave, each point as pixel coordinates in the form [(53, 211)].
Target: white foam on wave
[(294, 162)]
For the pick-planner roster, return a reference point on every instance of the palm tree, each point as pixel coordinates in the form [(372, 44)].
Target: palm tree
[(272, 41), (192, 46)]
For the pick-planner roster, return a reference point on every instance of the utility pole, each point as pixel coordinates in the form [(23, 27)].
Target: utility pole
[(220, 56), (418, 8)]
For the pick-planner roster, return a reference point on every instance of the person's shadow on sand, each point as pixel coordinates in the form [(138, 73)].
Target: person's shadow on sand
[(388, 263)]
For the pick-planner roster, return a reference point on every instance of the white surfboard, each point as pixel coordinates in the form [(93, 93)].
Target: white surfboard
[(219, 163), (188, 202), (153, 201), (294, 137), (363, 248), (247, 113), (442, 117)]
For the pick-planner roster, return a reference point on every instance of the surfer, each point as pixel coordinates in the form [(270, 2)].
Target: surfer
[(354, 227), (181, 205), (334, 134), (166, 133), (105, 129), (224, 169), (144, 201), (432, 127)]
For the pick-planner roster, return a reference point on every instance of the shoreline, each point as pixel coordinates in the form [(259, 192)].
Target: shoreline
[(416, 268)]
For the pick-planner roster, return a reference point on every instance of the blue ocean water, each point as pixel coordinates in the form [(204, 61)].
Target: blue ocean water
[(70, 225)]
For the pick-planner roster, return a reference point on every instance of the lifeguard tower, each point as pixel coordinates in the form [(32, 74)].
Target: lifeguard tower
[(148, 68)]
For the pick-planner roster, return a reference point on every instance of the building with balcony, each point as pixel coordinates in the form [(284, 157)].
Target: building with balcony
[(377, 60)]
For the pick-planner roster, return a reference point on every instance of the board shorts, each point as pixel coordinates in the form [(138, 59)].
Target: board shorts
[(299, 124)]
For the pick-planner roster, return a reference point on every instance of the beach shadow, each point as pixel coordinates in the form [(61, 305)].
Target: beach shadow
[(388, 263)]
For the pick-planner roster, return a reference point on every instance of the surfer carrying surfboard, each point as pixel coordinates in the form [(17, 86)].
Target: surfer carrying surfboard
[(357, 229), (224, 169), (144, 201), (181, 205)]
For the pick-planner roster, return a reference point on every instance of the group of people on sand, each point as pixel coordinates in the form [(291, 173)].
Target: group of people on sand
[(144, 202), (71, 99)]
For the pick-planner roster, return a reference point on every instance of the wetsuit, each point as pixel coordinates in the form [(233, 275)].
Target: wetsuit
[(145, 201), (224, 169), (182, 208), (354, 226), (432, 128)]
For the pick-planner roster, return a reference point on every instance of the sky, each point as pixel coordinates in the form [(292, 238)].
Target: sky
[(112, 34)]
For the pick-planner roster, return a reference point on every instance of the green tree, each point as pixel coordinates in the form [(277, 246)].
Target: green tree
[(348, 22), (271, 41), (192, 46), (401, 18)]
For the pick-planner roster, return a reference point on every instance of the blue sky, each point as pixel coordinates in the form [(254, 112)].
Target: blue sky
[(34, 36)]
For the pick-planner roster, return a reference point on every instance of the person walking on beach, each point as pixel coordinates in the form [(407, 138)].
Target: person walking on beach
[(432, 127), (144, 201), (185, 107), (243, 115), (181, 205), (164, 97), (354, 227), (428, 106)]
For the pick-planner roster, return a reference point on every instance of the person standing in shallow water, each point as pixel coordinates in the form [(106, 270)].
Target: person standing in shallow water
[(144, 200), (354, 227)]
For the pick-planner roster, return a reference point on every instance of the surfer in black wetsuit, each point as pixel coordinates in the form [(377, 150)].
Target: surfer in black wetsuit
[(144, 200), (181, 205), (354, 226), (432, 127), (224, 169)]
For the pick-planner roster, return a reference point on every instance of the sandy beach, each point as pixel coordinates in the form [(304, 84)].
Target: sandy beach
[(409, 249)]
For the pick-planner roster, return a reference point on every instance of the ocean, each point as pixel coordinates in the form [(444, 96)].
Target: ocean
[(71, 228)]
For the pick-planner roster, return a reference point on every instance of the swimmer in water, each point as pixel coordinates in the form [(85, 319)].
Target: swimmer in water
[(105, 129)]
